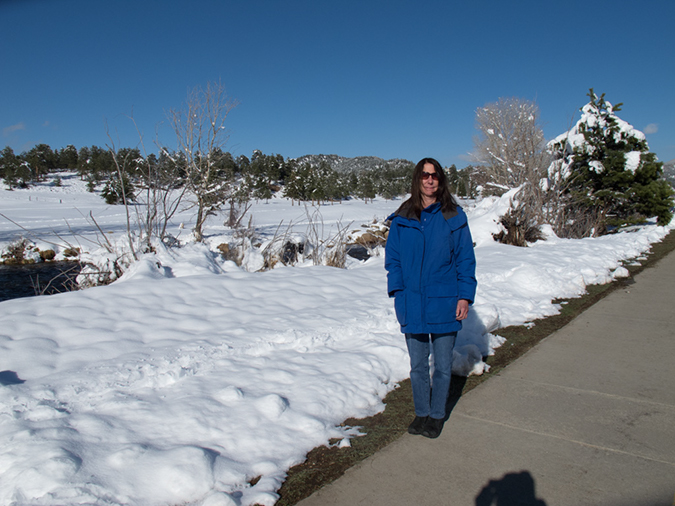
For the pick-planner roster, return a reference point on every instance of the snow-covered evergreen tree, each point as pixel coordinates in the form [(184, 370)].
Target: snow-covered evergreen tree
[(605, 169), (116, 191), (9, 167)]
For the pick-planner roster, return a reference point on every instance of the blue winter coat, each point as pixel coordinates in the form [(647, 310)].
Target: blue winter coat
[(430, 266)]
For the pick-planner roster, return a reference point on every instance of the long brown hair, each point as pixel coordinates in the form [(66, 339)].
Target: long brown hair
[(414, 203)]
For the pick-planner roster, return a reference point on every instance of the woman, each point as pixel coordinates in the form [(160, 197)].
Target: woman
[(431, 275)]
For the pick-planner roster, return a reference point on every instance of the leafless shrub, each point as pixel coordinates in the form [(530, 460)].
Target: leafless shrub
[(16, 251), (125, 200), (102, 274), (247, 232), (519, 230), (282, 248), (522, 223), (162, 191), (574, 221), (335, 251), (568, 216), (331, 251), (548, 202)]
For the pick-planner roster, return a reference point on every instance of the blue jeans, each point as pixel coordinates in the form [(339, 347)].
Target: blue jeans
[(430, 401)]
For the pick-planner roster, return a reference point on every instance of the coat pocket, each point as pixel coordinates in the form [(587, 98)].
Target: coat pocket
[(400, 307), (441, 305)]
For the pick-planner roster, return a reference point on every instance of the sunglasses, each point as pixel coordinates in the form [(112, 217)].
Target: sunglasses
[(427, 175)]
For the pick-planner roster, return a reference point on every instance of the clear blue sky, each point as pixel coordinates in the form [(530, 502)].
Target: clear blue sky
[(394, 79)]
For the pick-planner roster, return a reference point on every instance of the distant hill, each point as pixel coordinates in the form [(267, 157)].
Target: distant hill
[(669, 172), (357, 164)]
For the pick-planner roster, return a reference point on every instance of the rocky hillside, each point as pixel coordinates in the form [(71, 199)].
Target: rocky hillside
[(669, 172)]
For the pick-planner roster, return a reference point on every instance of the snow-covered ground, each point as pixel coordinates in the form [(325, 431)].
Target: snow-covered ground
[(189, 377)]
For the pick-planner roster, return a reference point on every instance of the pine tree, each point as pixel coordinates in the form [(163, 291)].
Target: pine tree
[(366, 187), (41, 159), (114, 191), (9, 167), (67, 157), (608, 169)]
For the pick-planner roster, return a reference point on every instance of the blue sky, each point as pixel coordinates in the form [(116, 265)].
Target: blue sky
[(394, 79)]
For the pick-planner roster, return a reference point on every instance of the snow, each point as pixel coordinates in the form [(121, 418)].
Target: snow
[(189, 377), (633, 160), (573, 141), (590, 118), (596, 166)]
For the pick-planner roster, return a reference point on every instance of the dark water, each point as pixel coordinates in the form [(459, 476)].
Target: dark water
[(37, 279)]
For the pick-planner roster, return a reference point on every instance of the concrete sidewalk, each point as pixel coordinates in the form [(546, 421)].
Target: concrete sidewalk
[(585, 418)]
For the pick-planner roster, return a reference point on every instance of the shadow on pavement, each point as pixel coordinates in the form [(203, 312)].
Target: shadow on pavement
[(514, 489), (456, 388)]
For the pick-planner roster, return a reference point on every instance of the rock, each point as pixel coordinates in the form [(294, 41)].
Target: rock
[(71, 252), (47, 255)]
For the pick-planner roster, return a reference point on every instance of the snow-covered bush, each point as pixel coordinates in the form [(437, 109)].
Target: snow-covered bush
[(15, 251), (102, 271)]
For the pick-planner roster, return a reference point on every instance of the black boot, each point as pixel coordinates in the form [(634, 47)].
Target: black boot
[(417, 425), (433, 428)]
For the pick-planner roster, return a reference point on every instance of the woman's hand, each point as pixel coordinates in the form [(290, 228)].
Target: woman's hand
[(462, 309)]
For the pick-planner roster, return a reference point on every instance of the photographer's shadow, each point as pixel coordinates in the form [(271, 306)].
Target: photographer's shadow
[(514, 489)]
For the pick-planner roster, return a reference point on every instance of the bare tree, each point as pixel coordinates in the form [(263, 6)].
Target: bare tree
[(201, 137), (510, 144)]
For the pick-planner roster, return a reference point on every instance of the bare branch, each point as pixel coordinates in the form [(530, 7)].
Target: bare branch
[(510, 143), (200, 137)]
